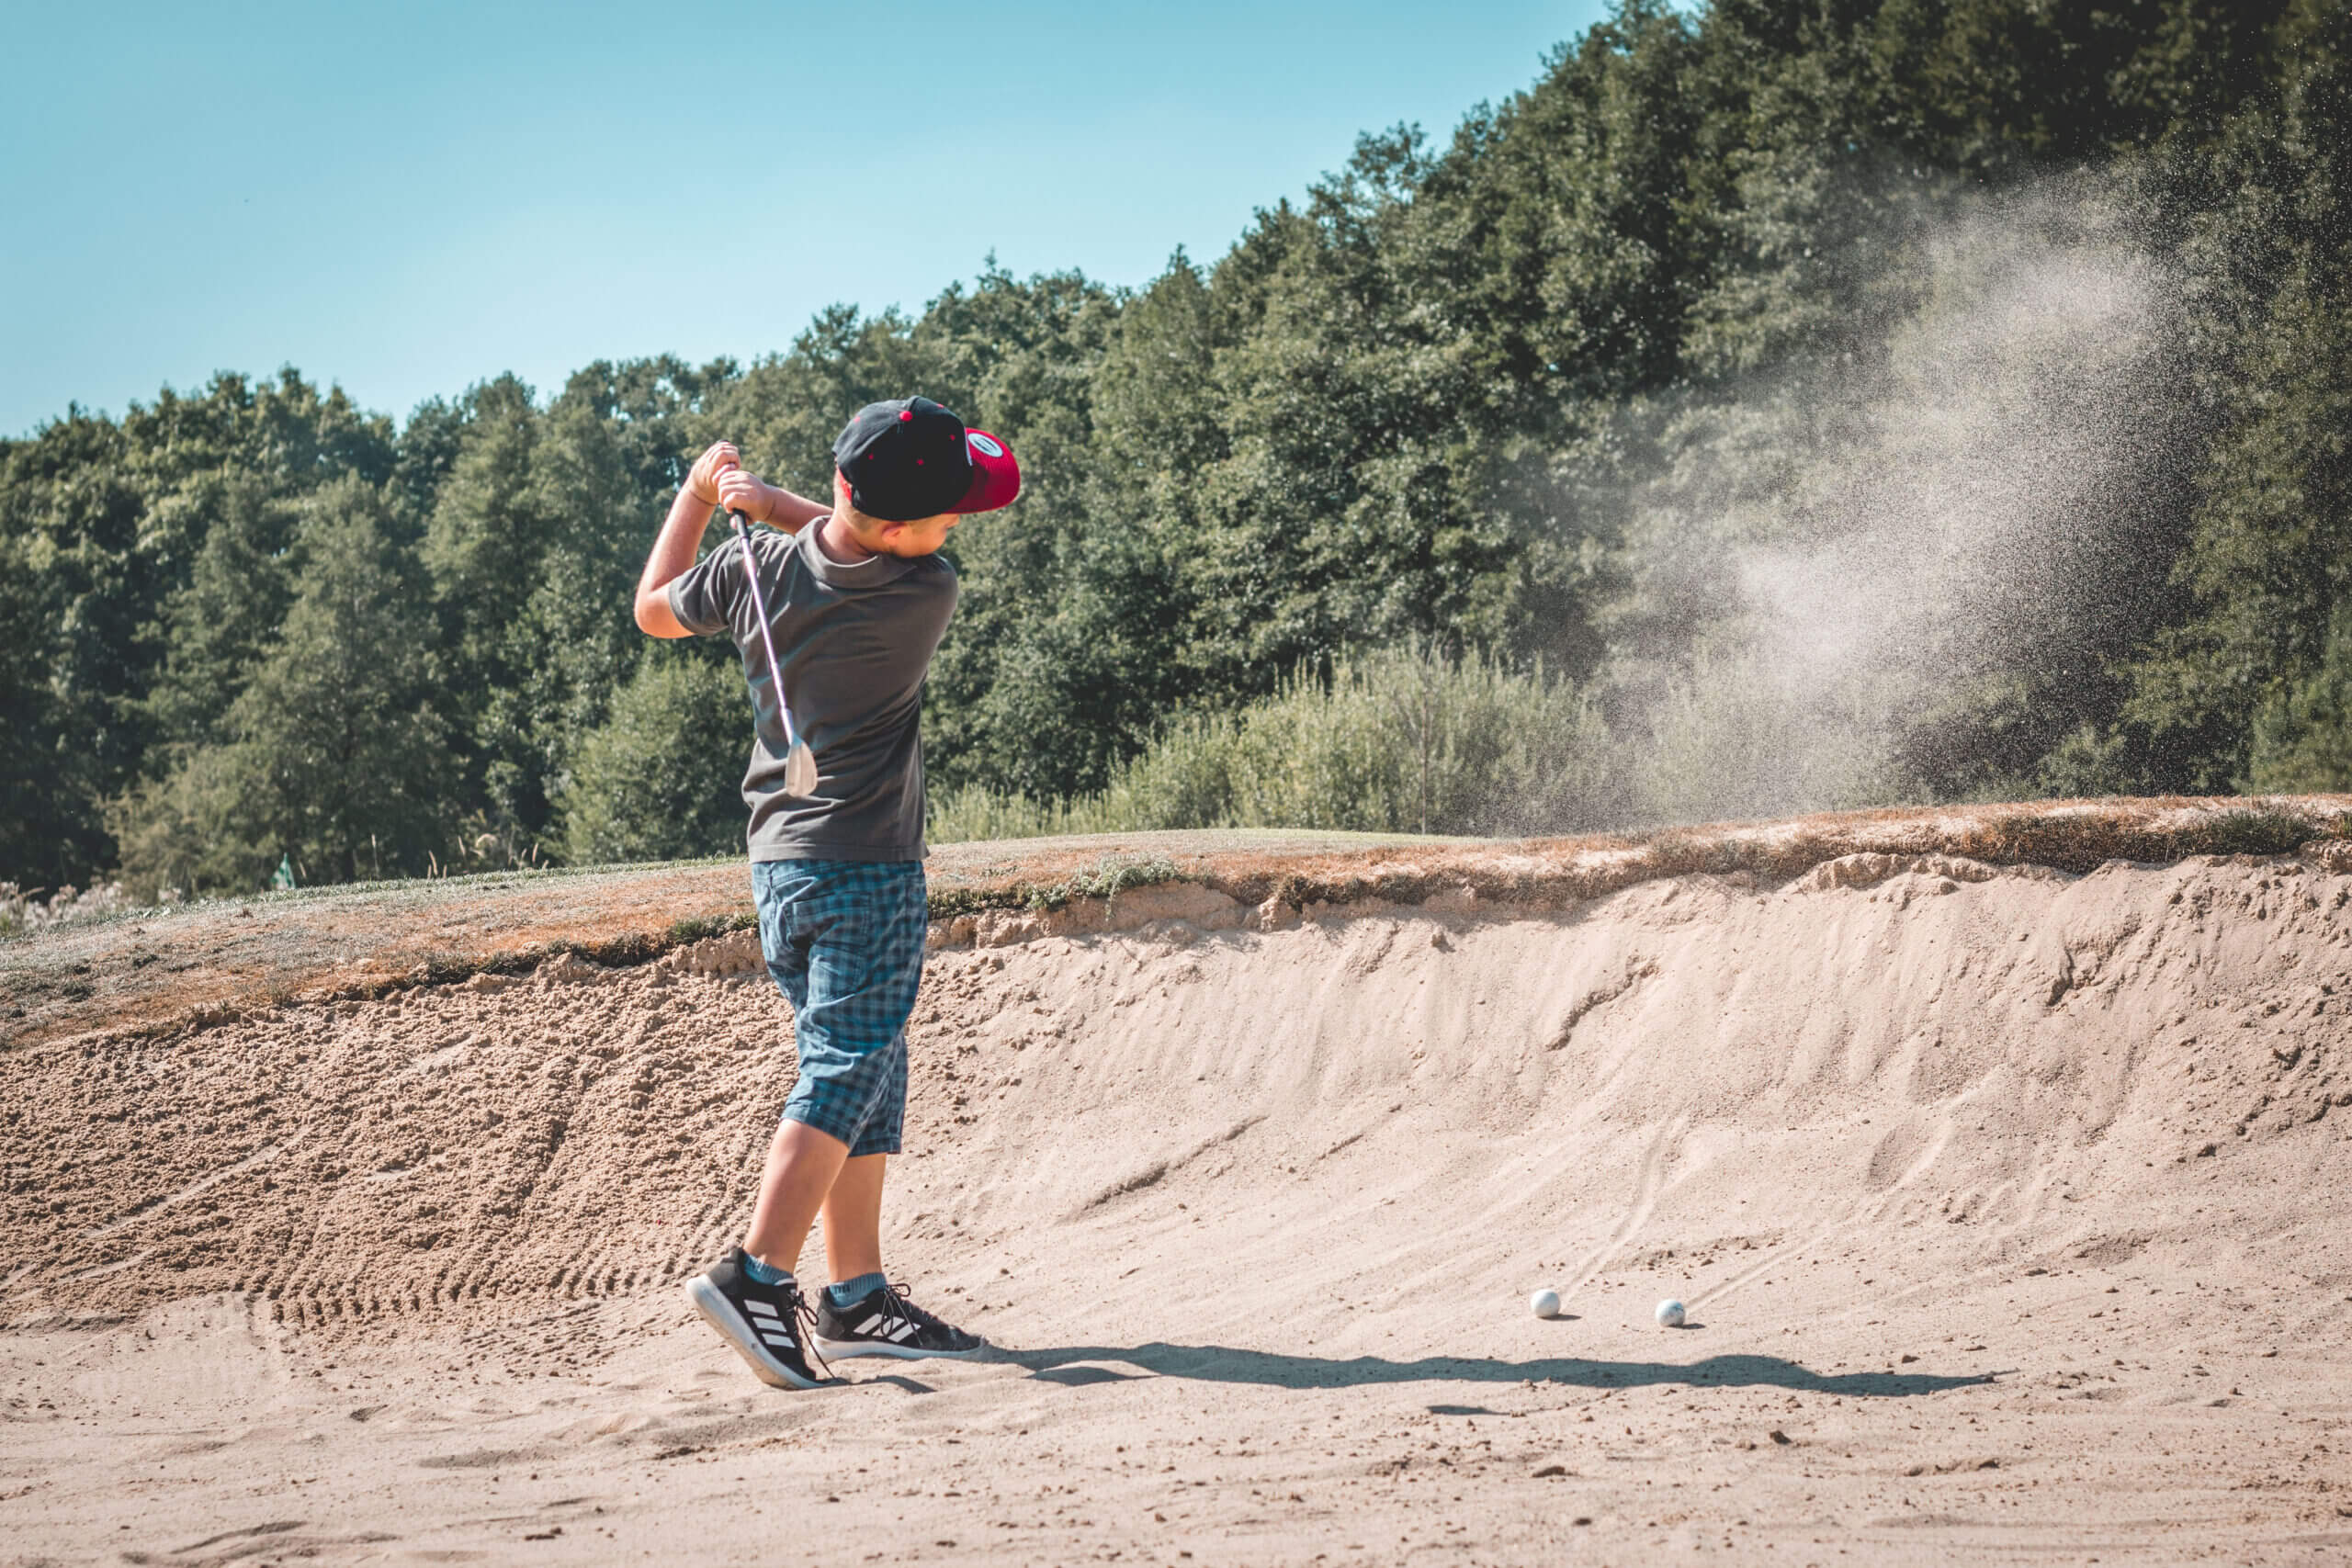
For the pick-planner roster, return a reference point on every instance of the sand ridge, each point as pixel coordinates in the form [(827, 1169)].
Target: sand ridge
[(2002, 1196), (151, 971)]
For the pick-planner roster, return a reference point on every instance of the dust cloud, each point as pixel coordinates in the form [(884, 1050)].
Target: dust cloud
[(1842, 578)]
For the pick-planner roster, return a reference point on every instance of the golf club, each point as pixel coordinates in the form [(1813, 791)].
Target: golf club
[(799, 763)]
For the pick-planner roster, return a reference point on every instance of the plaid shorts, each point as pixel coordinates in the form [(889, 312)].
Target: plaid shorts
[(844, 941)]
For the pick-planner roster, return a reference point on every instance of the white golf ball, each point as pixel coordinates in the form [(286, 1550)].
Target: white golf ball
[(1669, 1312), (1544, 1303)]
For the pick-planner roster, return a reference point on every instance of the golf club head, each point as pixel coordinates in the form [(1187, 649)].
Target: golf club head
[(800, 771)]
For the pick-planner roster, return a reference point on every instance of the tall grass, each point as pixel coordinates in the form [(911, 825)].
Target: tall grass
[(23, 910), (1407, 741), (973, 814), (1396, 742), (1735, 735)]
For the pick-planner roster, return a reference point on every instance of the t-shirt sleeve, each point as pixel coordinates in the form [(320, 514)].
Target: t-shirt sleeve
[(703, 596)]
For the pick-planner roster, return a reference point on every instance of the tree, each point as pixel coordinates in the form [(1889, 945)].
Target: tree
[(340, 727), (661, 778), (43, 785), (334, 753), (1549, 391), (111, 519), (2270, 561)]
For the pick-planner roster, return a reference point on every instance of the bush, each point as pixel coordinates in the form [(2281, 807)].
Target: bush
[(661, 777), (1400, 741), (196, 830)]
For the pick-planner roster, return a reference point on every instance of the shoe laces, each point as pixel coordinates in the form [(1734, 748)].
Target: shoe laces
[(804, 1322), (895, 1302)]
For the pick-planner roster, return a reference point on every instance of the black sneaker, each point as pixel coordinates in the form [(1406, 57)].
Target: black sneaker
[(767, 1324), (886, 1324)]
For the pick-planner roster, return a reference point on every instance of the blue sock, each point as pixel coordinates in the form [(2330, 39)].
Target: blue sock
[(765, 1273), (849, 1292)]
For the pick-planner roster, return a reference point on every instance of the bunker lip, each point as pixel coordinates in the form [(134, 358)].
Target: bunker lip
[(153, 971)]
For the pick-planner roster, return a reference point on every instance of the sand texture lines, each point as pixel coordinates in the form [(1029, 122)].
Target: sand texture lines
[(2007, 1203)]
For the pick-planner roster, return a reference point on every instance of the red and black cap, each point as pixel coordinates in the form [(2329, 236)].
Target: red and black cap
[(910, 459)]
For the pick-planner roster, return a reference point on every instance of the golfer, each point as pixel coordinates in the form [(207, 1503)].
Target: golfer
[(856, 600)]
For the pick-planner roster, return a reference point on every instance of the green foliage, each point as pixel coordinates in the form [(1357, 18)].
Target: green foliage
[(681, 932), (105, 522), (2086, 763), (214, 627), (45, 784), (2270, 558), (1453, 492), (334, 754), (974, 813), (1106, 878), (348, 750), (189, 831), (661, 779), (2302, 736), (1403, 741)]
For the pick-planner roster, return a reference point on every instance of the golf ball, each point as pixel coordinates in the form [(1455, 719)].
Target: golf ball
[(1669, 1312), (1544, 1303)]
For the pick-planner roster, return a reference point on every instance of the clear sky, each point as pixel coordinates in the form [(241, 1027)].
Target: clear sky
[(406, 199)]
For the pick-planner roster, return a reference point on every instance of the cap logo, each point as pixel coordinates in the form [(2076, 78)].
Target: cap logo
[(982, 444)]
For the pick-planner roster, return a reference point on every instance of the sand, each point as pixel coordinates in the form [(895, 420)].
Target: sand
[(2009, 1205), (151, 970)]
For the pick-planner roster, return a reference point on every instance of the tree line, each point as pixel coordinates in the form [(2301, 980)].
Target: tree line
[(1581, 402)]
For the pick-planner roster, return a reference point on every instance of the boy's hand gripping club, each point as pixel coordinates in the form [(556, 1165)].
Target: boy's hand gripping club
[(799, 763)]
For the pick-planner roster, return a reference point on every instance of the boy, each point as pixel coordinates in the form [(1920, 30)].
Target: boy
[(855, 604)]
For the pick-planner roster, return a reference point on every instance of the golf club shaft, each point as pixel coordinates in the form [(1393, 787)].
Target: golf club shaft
[(767, 640)]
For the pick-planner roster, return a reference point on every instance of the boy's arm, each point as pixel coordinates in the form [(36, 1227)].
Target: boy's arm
[(673, 553), (718, 480)]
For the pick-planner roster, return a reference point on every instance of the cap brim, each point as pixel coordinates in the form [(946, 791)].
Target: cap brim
[(996, 477)]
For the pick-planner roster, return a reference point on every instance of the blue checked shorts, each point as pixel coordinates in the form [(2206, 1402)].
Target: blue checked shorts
[(844, 941)]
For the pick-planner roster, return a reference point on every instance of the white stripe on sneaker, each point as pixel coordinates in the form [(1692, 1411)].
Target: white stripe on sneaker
[(762, 1307), (868, 1325), (775, 1365)]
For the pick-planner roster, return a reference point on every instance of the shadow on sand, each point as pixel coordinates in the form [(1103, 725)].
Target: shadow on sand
[(1079, 1364)]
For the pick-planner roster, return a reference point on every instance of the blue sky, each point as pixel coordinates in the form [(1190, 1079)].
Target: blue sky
[(407, 198)]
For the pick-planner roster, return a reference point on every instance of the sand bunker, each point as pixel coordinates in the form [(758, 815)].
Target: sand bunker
[(2005, 1201)]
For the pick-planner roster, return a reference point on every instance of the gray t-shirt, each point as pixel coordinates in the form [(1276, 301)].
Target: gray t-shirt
[(853, 642)]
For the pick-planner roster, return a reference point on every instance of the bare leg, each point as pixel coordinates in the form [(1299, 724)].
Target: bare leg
[(852, 1219), (803, 1165)]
